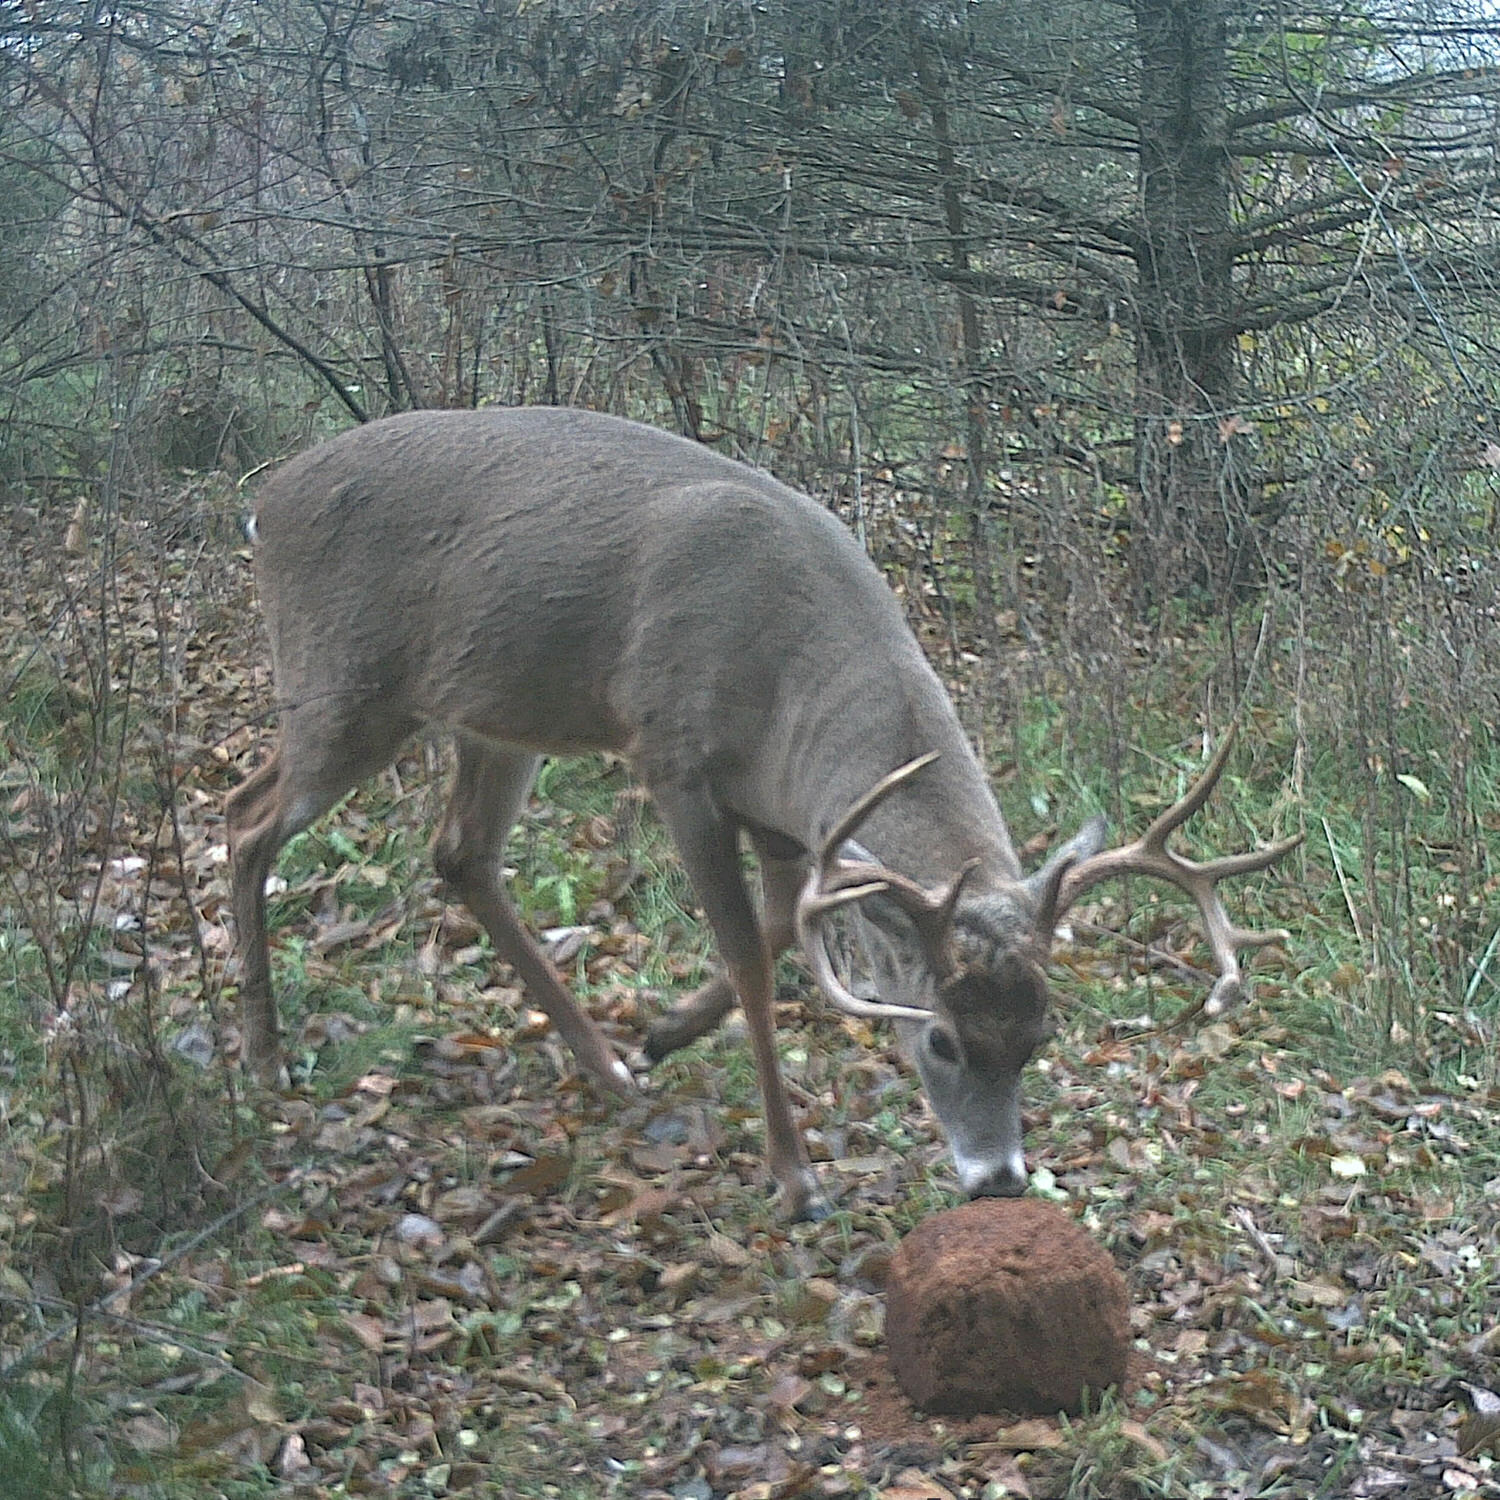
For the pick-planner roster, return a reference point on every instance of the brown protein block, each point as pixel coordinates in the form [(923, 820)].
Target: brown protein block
[(1004, 1304)]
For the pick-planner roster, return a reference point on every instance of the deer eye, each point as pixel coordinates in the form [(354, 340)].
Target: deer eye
[(941, 1044)]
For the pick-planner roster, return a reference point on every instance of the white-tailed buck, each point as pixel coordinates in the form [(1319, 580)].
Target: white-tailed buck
[(547, 580)]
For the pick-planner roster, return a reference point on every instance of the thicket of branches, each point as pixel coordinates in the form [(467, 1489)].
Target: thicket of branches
[(1153, 247), (1147, 344), (1072, 310)]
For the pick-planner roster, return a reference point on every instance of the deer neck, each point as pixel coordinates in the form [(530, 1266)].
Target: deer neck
[(929, 828)]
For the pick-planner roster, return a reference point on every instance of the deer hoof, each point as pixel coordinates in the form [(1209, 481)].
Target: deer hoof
[(1226, 995), (802, 1200), (618, 1079), (659, 1041), (816, 1209)]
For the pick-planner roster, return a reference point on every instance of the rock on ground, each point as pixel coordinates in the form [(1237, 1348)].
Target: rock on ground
[(1005, 1304)]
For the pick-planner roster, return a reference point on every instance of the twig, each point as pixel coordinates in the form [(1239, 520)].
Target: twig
[(1479, 968), (1160, 957), (1338, 870), (32, 1353), (155, 1332), (1257, 1235)]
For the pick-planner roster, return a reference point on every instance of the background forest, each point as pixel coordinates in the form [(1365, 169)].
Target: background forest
[(1150, 349)]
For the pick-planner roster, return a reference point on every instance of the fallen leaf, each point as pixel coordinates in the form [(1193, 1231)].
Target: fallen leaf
[(1004, 1471), (1143, 1439), (544, 1174), (293, 1460), (419, 1231), (1027, 1436), (1317, 1293), (912, 1484), (1479, 1432), (150, 1433), (727, 1252), (370, 1331)]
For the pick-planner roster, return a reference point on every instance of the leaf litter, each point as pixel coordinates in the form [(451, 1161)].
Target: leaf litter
[(472, 1274)]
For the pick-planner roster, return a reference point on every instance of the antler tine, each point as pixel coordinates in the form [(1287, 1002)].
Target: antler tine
[(812, 906), (833, 883), (817, 902), (867, 804), (931, 912), (1155, 837), (1225, 939), (1149, 855), (947, 903), (1228, 865)]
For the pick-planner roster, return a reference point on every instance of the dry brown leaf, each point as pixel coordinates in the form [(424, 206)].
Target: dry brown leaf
[(1027, 1436), (912, 1484), (293, 1461), (542, 1176), (1479, 1434), (149, 1432), (1004, 1471), (1143, 1439), (724, 1251), (787, 1391), (646, 1208), (1192, 1342), (534, 1382), (676, 1282), (369, 1330)]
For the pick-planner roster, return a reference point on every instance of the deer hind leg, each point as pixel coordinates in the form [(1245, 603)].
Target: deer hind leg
[(709, 847), (304, 778), (780, 881), (489, 791)]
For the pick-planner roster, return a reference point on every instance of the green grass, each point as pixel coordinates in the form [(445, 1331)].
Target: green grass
[(582, 1344)]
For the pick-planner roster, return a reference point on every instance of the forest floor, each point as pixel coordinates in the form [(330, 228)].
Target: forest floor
[(441, 1264)]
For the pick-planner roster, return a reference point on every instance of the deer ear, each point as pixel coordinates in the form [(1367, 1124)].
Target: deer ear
[(1042, 885)]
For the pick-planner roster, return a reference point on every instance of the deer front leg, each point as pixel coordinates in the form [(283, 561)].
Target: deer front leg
[(708, 845), (289, 792), (488, 792), (705, 1008), (321, 755)]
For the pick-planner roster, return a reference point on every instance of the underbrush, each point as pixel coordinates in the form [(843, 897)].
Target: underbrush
[(438, 1263)]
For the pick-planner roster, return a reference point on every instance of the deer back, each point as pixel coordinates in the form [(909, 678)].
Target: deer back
[(567, 581)]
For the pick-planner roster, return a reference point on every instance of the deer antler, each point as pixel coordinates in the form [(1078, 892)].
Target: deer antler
[(1149, 855), (835, 882)]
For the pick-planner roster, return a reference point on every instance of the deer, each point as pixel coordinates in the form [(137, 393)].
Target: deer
[(537, 581)]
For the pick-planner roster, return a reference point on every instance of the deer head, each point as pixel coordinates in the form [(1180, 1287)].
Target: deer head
[(961, 970)]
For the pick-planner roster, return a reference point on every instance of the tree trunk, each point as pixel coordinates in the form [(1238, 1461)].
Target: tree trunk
[(1191, 527), (977, 467)]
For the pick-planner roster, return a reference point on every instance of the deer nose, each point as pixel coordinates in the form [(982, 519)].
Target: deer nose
[(1007, 1179)]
